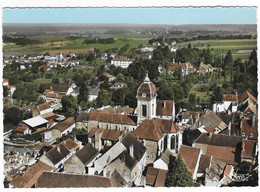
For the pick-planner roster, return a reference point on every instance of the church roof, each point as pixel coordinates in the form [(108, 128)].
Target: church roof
[(147, 89), (164, 107), (149, 130)]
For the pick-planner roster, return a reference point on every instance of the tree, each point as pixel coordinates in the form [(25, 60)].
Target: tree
[(13, 115), (189, 46), (5, 91), (69, 105), (118, 97), (83, 93), (55, 80), (178, 174), (216, 97)]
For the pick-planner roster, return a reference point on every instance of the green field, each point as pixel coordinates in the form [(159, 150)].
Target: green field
[(78, 44)]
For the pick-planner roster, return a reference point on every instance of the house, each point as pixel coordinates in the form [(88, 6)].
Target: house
[(59, 130), (30, 177), (22, 129), (35, 123), (205, 68), (163, 161), (188, 118), (155, 177), (43, 109), (229, 103), (249, 152), (101, 138), (226, 148), (121, 61), (93, 93), (249, 128), (5, 82), (146, 56), (59, 154), (130, 163), (82, 120), (65, 180), (82, 161), (210, 120), (246, 97), (117, 86), (185, 68), (191, 157), (147, 49)]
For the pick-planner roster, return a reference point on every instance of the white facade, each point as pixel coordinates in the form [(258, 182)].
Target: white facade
[(121, 63), (223, 107)]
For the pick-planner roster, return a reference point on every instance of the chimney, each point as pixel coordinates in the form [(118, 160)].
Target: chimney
[(164, 103), (210, 134), (253, 120), (131, 150), (229, 128), (243, 146)]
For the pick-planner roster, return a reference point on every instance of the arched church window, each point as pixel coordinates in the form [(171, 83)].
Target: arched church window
[(173, 140), (144, 112)]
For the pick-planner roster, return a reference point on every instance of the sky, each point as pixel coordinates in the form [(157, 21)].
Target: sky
[(171, 16)]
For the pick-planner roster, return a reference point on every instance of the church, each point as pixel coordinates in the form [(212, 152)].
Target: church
[(153, 124)]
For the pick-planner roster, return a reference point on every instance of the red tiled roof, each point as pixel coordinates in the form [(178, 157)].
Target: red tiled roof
[(204, 163), (21, 128), (248, 148), (87, 154), (181, 65), (248, 129), (190, 155), (110, 117), (5, 80), (70, 144), (155, 177), (225, 154), (229, 97), (94, 130), (148, 88), (149, 129), (246, 95), (29, 178), (112, 135), (167, 125), (55, 95), (62, 126), (44, 106), (164, 110)]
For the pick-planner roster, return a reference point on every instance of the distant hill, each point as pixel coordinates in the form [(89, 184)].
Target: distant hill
[(67, 27)]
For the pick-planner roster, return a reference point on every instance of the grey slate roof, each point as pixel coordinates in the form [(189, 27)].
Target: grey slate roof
[(219, 140)]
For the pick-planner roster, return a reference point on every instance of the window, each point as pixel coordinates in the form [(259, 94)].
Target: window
[(107, 126), (143, 95), (144, 110), (243, 134), (251, 135), (173, 142), (153, 109), (116, 127)]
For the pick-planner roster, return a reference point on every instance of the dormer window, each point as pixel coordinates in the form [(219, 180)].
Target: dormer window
[(251, 135), (243, 134), (143, 94)]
